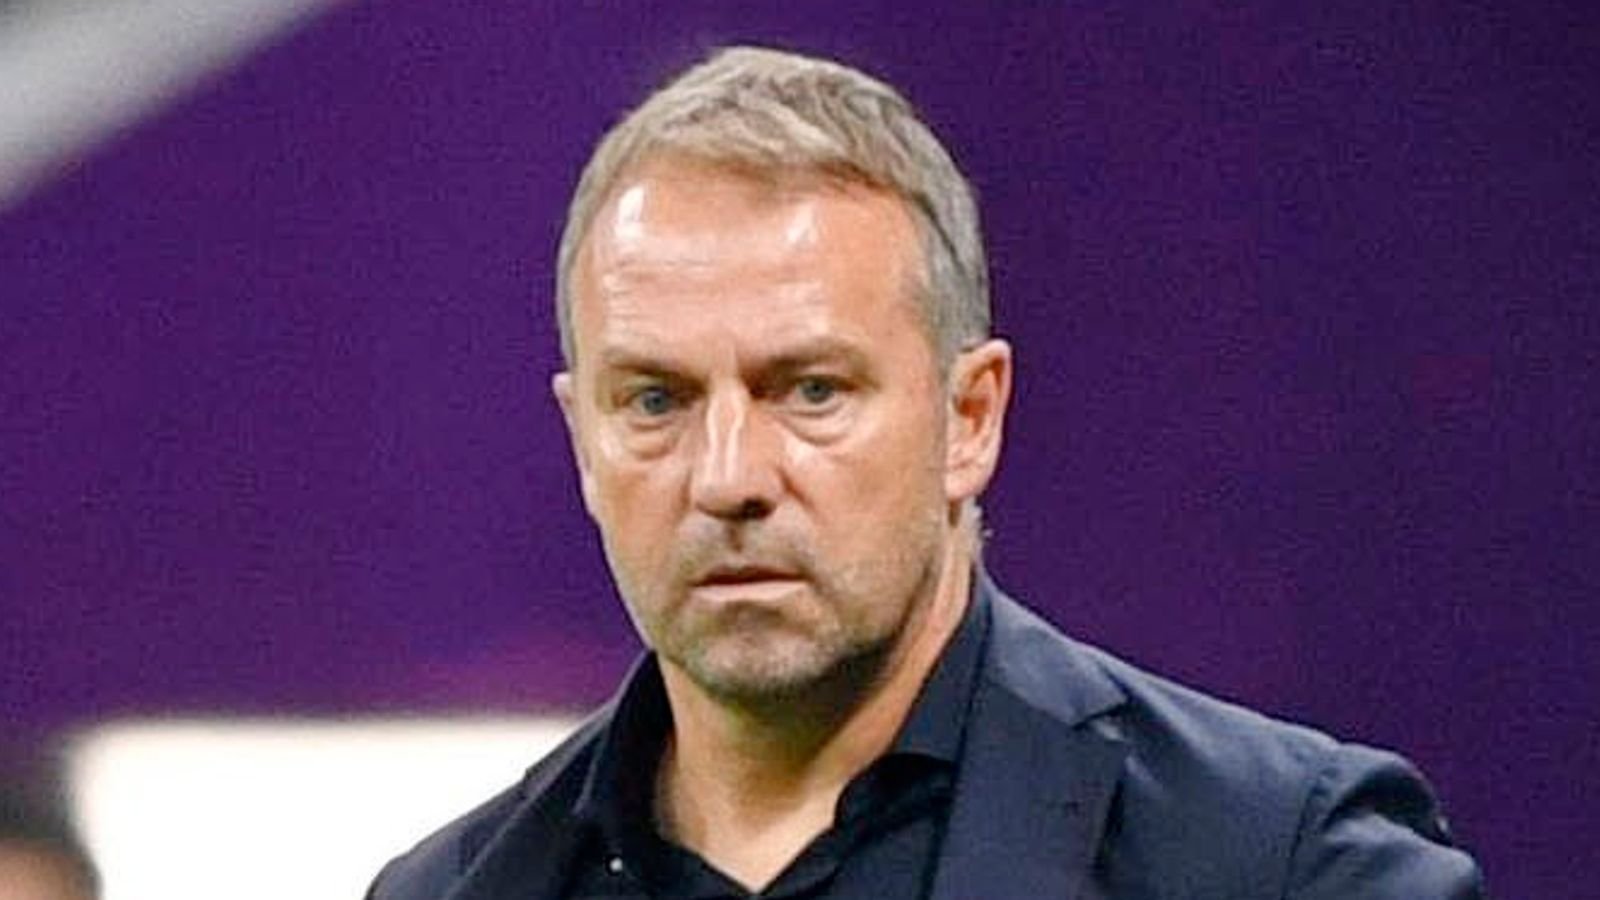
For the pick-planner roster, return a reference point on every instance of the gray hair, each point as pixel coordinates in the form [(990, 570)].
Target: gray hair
[(764, 111)]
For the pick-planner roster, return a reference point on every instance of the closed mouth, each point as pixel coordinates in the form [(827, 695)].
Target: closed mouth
[(733, 575)]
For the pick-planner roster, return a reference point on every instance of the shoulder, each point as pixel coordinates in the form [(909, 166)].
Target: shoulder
[(440, 860), (1160, 719), (1180, 743), (1288, 810)]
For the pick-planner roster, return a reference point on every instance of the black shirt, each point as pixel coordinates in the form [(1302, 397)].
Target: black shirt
[(888, 824)]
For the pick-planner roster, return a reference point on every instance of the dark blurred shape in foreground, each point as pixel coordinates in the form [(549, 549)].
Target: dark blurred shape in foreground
[(41, 856)]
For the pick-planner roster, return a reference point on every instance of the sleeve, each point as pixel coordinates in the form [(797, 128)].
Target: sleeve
[(372, 889), (412, 877), (1371, 830)]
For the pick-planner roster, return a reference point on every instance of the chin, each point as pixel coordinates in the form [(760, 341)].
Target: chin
[(760, 673)]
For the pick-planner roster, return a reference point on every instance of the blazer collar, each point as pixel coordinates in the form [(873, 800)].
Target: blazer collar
[(530, 853), (1040, 769)]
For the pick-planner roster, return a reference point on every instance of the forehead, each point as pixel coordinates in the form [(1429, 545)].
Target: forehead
[(687, 211), (681, 241)]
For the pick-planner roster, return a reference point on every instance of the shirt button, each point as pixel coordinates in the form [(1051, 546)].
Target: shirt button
[(614, 865)]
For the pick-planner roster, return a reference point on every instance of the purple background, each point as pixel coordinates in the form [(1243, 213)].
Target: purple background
[(1304, 303)]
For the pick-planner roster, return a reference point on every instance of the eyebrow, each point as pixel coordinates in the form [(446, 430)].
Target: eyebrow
[(808, 353), (627, 360), (820, 350)]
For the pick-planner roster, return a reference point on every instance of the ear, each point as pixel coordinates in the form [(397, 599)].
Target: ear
[(980, 390), (561, 385)]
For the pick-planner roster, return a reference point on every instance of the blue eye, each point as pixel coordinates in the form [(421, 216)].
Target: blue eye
[(816, 391), (653, 401)]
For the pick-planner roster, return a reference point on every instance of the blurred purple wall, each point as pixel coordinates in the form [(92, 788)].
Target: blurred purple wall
[(1305, 304)]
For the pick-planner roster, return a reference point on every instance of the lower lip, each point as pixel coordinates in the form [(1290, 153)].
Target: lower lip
[(766, 590)]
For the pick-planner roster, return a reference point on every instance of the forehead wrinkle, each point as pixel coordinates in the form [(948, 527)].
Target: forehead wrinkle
[(631, 349)]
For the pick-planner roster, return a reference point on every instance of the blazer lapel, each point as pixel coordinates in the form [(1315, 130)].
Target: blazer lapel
[(527, 859), (1030, 808), (1039, 771), (529, 856)]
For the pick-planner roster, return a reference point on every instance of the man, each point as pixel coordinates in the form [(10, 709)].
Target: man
[(784, 402)]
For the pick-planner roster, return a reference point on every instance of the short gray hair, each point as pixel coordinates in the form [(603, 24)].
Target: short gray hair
[(761, 110)]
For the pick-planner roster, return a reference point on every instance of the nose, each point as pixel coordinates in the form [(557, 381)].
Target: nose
[(735, 476)]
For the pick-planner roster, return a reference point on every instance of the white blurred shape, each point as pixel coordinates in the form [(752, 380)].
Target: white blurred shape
[(73, 71), (267, 810)]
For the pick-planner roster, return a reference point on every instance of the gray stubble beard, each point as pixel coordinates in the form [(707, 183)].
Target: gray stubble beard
[(839, 662)]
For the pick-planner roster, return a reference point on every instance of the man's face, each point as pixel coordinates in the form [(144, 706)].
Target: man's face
[(759, 422)]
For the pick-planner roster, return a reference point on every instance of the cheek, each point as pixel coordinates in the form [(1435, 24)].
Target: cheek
[(639, 499), (891, 468)]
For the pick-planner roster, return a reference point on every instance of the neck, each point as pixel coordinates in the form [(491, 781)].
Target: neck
[(764, 778)]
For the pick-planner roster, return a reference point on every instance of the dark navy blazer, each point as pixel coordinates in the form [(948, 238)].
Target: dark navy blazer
[(1082, 777)]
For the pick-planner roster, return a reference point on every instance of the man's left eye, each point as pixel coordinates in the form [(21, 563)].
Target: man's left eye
[(816, 391)]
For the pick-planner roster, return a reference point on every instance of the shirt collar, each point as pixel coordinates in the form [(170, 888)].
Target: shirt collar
[(938, 719), (619, 787)]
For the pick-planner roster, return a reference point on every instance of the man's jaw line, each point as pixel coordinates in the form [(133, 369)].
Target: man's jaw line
[(790, 722)]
